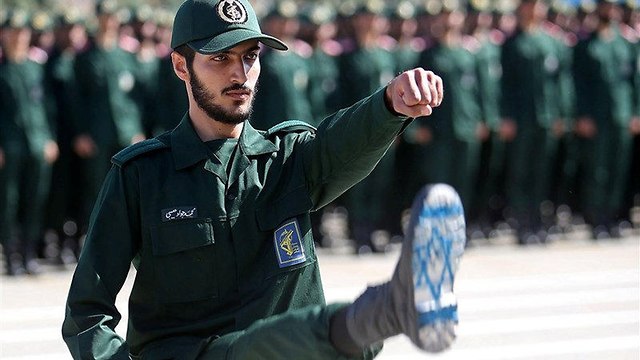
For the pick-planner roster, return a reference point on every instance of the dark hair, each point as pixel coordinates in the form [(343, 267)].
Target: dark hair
[(188, 53)]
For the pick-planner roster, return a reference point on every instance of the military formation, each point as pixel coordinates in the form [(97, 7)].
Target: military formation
[(541, 116)]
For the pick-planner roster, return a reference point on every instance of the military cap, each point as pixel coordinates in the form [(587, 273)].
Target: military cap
[(587, 6), (318, 13), (403, 10), (106, 7), (347, 8), (211, 26), (16, 19), (285, 9), (71, 16), (477, 6), (376, 7), (41, 21), (143, 13), (631, 4), (431, 7)]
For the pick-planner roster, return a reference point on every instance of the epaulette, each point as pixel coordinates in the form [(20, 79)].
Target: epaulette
[(135, 150), (290, 126)]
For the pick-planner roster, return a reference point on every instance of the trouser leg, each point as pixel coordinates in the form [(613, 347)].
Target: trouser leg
[(297, 334)]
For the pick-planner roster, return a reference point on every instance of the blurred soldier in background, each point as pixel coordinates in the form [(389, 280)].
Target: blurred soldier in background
[(27, 148), (148, 63), (319, 30), (62, 209), (172, 101), (531, 110), (111, 117), (457, 130), (285, 76), (364, 67), (487, 40), (603, 73)]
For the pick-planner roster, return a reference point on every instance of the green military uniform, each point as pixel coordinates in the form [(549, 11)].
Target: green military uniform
[(604, 82), (284, 79), (109, 102), (362, 71), (63, 202), (323, 83), (530, 97), (219, 233), (172, 101), (453, 155), (24, 179), (492, 153)]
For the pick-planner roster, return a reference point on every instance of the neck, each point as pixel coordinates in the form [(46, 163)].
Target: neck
[(209, 129)]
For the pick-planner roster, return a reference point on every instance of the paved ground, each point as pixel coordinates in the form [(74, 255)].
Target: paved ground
[(575, 299)]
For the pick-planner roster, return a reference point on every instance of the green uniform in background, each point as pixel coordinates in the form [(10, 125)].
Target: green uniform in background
[(453, 155), (148, 81), (490, 197), (282, 90), (219, 233), (323, 84), (531, 98), (603, 73), (24, 179), (110, 108), (64, 201), (172, 102), (362, 71)]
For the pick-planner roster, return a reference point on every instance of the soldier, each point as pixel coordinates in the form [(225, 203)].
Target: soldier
[(172, 100), (364, 67), (27, 148), (285, 76), (532, 117), (215, 217), (319, 30), (452, 156), (111, 117), (603, 72), (63, 211), (487, 41)]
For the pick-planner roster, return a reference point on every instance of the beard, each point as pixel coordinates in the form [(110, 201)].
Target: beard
[(205, 100)]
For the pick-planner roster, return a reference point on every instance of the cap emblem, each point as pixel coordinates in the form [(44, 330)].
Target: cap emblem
[(232, 11)]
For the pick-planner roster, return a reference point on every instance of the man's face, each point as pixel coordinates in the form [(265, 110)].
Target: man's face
[(224, 84)]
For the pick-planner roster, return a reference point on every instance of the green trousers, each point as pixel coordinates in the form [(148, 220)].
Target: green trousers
[(296, 334)]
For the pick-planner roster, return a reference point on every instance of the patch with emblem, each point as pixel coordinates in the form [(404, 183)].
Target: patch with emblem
[(179, 213), (288, 244), (232, 11)]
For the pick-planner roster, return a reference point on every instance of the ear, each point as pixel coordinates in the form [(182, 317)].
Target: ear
[(180, 66)]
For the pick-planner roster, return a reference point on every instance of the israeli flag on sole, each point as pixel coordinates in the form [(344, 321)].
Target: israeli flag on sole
[(288, 244)]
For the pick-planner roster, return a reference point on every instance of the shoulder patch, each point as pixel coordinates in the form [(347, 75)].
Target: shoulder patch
[(131, 152), (290, 126)]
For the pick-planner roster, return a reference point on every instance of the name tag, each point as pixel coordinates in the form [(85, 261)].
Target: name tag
[(288, 244), (179, 213)]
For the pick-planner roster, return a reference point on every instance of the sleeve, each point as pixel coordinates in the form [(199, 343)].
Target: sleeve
[(347, 146), (91, 315)]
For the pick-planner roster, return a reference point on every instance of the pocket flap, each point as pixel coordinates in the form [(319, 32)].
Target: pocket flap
[(170, 238), (286, 207)]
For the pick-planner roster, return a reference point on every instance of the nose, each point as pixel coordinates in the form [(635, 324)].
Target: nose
[(239, 72)]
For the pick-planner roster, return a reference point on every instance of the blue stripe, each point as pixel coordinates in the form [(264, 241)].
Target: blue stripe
[(441, 211), (448, 313)]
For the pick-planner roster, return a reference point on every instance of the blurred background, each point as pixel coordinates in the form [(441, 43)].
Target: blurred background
[(539, 130)]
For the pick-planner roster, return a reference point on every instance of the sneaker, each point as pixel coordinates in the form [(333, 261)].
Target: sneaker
[(436, 239), (419, 300)]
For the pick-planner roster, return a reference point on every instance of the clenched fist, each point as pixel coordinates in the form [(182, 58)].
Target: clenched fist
[(414, 93)]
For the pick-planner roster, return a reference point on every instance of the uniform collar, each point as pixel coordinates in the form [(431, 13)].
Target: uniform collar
[(188, 149)]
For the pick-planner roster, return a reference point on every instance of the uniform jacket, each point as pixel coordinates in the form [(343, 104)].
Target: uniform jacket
[(215, 250)]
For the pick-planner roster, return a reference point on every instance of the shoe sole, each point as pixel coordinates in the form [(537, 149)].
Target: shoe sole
[(437, 231)]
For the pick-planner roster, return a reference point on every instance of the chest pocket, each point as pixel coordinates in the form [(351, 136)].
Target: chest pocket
[(288, 213), (184, 255)]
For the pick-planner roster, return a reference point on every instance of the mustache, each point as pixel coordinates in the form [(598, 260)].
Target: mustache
[(236, 87)]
